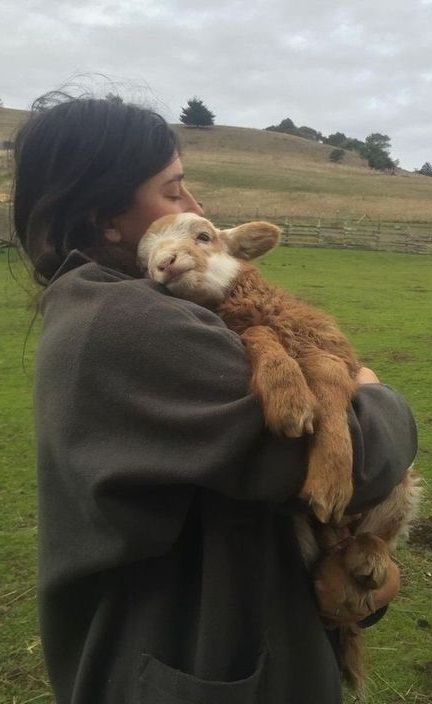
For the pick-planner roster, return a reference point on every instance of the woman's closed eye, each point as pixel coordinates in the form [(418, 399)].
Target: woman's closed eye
[(174, 196)]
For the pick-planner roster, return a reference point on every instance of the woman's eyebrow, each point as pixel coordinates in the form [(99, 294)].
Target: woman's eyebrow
[(179, 177)]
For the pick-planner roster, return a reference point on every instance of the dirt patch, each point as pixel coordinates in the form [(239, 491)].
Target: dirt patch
[(399, 357), (421, 533)]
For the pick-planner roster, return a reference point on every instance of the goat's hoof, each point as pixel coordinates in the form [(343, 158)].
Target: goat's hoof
[(327, 499), (287, 417), (367, 559), (296, 426)]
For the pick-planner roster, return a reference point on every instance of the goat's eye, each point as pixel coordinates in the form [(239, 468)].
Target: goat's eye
[(203, 237)]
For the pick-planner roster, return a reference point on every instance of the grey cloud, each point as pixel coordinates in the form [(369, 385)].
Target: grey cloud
[(357, 67)]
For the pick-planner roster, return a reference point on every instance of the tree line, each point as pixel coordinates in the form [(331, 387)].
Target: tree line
[(375, 148)]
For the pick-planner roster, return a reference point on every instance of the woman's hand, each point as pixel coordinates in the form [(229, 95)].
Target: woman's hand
[(367, 376)]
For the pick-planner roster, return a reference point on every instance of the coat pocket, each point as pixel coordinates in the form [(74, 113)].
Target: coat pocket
[(162, 684)]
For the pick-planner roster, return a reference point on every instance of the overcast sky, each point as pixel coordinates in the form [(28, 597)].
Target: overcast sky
[(358, 67)]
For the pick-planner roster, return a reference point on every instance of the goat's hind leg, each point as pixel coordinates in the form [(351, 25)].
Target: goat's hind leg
[(366, 557), (379, 529), (289, 405)]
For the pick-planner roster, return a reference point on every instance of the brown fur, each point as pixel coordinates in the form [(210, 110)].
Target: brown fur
[(303, 372)]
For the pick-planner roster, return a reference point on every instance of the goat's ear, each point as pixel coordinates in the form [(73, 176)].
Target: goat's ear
[(252, 239)]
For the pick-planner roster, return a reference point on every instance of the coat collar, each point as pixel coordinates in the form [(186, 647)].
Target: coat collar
[(74, 259)]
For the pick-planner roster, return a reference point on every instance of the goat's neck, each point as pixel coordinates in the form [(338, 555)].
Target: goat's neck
[(241, 307)]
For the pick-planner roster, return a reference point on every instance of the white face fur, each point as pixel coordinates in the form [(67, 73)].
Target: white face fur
[(190, 257)]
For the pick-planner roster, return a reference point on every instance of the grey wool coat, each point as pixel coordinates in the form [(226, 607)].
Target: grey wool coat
[(169, 569)]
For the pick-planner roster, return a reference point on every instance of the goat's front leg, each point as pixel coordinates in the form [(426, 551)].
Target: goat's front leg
[(328, 486), (288, 404)]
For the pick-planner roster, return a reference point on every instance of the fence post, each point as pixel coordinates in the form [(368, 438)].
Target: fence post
[(288, 231), (407, 238), (344, 231), (378, 235)]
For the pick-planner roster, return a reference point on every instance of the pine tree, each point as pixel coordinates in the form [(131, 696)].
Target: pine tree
[(426, 169), (196, 114)]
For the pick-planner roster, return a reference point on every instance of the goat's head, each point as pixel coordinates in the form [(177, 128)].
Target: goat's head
[(195, 260)]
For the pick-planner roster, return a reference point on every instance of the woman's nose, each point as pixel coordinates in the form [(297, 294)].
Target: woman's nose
[(198, 209), (194, 205)]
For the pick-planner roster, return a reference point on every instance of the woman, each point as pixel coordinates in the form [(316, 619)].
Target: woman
[(169, 569)]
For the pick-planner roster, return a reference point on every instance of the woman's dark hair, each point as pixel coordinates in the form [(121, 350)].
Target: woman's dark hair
[(78, 164)]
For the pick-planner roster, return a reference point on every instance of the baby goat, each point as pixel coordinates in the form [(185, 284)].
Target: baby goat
[(303, 372)]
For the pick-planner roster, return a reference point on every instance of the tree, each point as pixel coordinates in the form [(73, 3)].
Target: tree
[(376, 140), (196, 114), (426, 169), (309, 133), (113, 98), (355, 145), (1, 103), (336, 155), (377, 148), (286, 125), (338, 139)]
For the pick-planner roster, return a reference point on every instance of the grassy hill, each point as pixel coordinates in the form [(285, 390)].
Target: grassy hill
[(243, 173), (10, 121), (246, 172)]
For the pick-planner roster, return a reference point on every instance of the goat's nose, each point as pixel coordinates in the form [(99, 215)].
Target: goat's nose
[(165, 263)]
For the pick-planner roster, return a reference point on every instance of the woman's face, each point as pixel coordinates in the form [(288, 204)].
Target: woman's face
[(163, 194)]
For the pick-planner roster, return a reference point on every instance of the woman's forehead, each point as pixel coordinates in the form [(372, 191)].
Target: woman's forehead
[(173, 172), (170, 174)]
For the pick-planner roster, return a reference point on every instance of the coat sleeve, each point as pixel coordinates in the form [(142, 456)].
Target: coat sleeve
[(169, 395), (384, 437), (137, 410), (157, 408)]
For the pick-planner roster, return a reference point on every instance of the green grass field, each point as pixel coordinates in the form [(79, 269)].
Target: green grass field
[(384, 302)]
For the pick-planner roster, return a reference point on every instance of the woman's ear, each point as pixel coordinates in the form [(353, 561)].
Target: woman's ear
[(112, 235), (109, 230), (252, 239)]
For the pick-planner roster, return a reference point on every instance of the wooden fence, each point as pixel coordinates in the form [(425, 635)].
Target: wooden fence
[(388, 237), (5, 230), (396, 237)]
